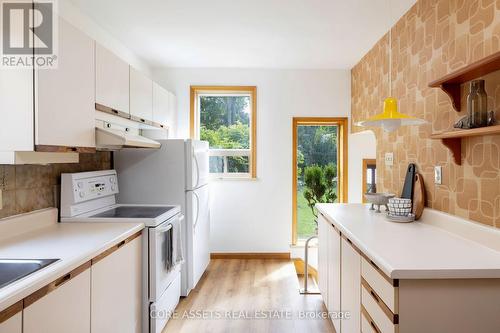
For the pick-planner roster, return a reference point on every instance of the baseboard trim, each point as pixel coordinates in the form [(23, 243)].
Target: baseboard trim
[(251, 255), (300, 265)]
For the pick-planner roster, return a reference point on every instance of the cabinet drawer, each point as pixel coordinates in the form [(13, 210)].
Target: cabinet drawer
[(381, 284), (375, 311)]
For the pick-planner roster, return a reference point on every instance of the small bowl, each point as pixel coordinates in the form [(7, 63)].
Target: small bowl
[(378, 199), (400, 201), (399, 207)]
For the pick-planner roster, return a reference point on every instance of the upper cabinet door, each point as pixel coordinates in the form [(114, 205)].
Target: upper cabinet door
[(141, 96), (64, 96), (160, 105), (172, 115), (112, 80), (16, 101), (16, 110)]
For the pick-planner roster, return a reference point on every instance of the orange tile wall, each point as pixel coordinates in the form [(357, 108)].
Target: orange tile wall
[(432, 39)]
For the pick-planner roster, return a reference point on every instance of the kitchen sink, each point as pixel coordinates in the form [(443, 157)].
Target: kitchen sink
[(14, 269)]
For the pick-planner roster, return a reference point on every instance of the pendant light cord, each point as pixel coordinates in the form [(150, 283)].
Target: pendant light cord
[(390, 47)]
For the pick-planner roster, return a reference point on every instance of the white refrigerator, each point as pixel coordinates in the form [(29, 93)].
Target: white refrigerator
[(175, 174)]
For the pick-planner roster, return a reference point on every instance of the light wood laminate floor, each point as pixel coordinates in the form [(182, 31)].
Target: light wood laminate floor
[(234, 292)]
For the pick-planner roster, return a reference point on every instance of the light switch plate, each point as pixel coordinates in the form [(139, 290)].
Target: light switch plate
[(438, 175), (389, 159)]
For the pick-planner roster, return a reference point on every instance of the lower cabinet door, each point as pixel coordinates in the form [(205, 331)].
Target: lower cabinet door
[(13, 325), (323, 229), (351, 288), (65, 309), (334, 274), (117, 290)]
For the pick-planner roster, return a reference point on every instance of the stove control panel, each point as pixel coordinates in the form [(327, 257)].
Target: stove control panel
[(85, 189)]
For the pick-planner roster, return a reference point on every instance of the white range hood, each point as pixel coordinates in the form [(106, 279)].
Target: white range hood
[(111, 136)]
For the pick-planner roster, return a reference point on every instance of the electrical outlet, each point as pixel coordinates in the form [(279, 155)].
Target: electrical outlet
[(438, 175), (389, 159)]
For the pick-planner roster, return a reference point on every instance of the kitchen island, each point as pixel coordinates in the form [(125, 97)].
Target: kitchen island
[(425, 276)]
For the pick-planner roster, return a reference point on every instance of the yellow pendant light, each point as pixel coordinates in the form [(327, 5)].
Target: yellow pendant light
[(390, 119)]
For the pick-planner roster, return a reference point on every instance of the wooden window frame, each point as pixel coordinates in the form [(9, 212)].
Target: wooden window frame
[(366, 162), (194, 118), (342, 159)]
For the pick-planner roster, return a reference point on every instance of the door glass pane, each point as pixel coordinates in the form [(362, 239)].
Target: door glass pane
[(317, 148)]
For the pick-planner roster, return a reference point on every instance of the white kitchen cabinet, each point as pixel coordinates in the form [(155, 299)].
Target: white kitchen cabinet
[(112, 81), (117, 290), (161, 105), (16, 109), (323, 231), (13, 325), (172, 115), (64, 107), (329, 261), (18, 128), (334, 262), (66, 308), (351, 287), (141, 96)]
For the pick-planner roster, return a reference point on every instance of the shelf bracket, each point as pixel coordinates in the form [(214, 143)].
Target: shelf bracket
[(455, 146), (453, 91)]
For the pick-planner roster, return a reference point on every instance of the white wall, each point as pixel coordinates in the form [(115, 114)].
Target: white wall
[(361, 145), (83, 22), (255, 216)]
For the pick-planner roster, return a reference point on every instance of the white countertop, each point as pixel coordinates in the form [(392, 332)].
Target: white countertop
[(73, 243), (413, 250)]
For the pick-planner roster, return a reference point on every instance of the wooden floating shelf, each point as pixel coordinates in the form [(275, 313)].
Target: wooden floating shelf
[(450, 83), (453, 139)]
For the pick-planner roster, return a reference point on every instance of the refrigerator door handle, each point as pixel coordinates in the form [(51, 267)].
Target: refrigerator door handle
[(197, 210), (195, 159)]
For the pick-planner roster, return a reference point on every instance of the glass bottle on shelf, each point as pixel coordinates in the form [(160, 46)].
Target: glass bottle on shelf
[(477, 104)]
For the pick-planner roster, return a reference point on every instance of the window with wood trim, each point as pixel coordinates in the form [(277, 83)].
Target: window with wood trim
[(225, 116), (320, 154)]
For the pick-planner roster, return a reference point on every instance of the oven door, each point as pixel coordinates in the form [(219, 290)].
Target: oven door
[(162, 265)]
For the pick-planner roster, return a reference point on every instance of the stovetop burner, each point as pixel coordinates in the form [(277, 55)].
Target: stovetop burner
[(148, 212)]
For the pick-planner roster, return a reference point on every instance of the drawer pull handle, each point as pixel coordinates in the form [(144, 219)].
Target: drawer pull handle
[(374, 296), (374, 265), (374, 326), (63, 280), (120, 244)]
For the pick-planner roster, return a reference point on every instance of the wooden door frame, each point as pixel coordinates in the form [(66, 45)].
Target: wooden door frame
[(366, 162), (342, 159)]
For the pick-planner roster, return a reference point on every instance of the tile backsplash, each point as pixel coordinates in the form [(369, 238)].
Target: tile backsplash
[(30, 187), (434, 38)]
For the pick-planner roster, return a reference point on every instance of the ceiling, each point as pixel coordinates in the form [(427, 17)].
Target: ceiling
[(247, 33)]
